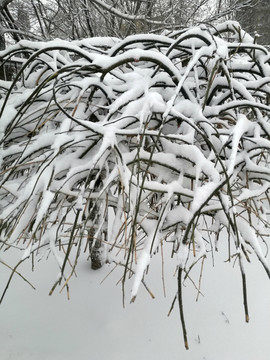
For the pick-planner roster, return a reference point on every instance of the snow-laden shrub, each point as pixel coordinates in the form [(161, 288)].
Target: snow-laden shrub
[(122, 146)]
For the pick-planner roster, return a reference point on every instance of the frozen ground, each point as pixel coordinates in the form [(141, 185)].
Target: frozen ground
[(93, 325)]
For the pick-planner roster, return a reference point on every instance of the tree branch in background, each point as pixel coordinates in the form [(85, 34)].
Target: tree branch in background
[(125, 16)]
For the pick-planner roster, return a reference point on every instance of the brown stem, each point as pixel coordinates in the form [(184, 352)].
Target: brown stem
[(181, 308)]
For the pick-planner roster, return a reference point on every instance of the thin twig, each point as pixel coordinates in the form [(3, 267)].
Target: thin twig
[(181, 307)]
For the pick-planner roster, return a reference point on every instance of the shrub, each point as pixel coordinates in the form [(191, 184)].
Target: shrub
[(119, 146)]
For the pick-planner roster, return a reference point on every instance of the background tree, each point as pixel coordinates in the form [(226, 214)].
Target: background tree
[(255, 19), (76, 19)]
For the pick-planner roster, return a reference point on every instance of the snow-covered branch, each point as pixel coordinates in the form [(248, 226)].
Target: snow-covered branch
[(20, 32), (112, 9)]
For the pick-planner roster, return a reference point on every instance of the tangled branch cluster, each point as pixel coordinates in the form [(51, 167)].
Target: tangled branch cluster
[(119, 146)]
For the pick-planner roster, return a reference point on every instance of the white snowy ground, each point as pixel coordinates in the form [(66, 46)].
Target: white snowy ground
[(93, 325)]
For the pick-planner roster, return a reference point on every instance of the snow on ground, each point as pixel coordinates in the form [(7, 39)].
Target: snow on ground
[(93, 324)]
